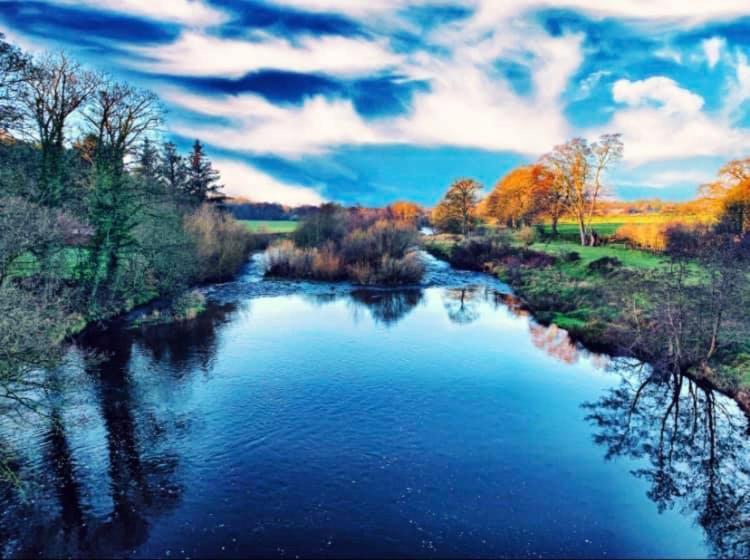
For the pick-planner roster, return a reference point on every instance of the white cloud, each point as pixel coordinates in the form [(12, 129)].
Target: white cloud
[(187, 12), (466, 105), (661, 179), (588, 84), (32, 47), (490, 12), (668, 53), (243, 180), (665, 91), (493, 10), (674, 128), (738, 90), (260, 127), (350, 7), (198, 54), (712, 49)]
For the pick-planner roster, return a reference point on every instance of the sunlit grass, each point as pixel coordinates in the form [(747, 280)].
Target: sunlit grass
[(628, 257), (270, 226)]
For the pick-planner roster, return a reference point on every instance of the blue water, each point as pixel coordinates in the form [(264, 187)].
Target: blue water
[(320, 421)]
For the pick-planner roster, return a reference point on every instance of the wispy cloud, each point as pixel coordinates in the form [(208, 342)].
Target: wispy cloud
[(302, 80), (246, 181), (200, 54), (188, 12)]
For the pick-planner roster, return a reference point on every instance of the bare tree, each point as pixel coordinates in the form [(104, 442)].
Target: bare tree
[(118, 117), (55, 87), (13, 64), (697, 306), (578, 169)]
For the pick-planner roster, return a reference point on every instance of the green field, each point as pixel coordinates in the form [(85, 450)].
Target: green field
[(270, 226), (629, 257), (608, 225), (602, 228)]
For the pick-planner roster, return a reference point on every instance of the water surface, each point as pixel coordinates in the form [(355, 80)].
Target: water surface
[(312, 420)]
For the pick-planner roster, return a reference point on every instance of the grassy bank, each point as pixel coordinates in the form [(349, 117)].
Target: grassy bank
[(611, 299)]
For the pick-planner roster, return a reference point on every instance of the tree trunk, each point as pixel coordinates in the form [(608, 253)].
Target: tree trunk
[(582, 232)]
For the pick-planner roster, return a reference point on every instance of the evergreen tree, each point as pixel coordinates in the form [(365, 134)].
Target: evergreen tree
[(147, 166), (203, 180), (172, 169)]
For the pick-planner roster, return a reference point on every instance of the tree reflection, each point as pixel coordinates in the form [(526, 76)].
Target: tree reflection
[(462, 304), (695, 446), (60, 458), (184, 343), (80, 512), (388, 307)]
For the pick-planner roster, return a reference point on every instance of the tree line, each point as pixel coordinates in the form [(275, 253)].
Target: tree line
[(97, 215), (568, 182)]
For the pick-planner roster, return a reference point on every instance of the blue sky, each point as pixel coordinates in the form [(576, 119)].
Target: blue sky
[(367, 102)]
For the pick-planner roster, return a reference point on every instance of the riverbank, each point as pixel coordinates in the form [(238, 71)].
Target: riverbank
[(600, 296)]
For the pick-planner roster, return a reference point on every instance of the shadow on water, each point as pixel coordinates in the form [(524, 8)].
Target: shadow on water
[(186, 343), (694, 441), (140, 481)]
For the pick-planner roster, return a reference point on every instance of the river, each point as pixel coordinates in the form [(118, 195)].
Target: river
[(317, 420)]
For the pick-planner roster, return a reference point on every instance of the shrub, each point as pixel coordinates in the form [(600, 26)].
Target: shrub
[(327, 265), (374, 254), (361, 273), (527, 235), (188, 305), (284, 258), (604, 265), (222, 243), (382, 238), (477, 251), (652, 237), (406, 270), (684, 241)]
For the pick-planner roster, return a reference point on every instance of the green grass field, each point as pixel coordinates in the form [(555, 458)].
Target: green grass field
[(608, 225), (571, 229), (629, 257), (270, 226)]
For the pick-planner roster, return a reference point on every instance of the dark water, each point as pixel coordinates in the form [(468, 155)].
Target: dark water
[(313, 420)]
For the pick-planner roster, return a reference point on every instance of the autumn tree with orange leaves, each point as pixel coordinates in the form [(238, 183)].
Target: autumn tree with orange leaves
[(730, 195), (405, 211), (456, 212), (523, 196)]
